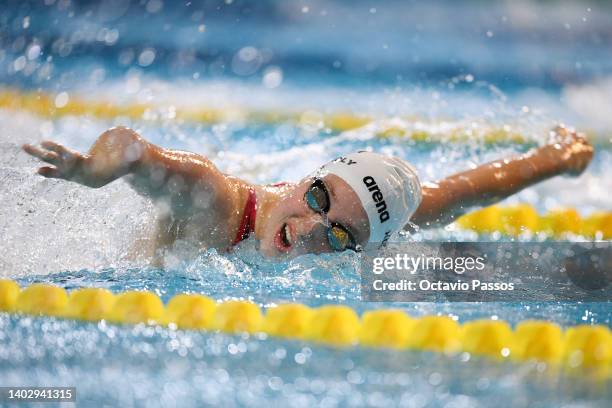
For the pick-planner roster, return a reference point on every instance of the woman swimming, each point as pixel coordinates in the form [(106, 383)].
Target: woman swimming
[(352, 202)]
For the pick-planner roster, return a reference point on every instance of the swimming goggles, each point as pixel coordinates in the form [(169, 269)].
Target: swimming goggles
[(317, 199)]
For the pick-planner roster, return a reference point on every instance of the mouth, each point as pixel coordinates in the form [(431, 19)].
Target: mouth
[(283, 239)]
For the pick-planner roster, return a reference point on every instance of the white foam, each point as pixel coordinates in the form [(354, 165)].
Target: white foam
[(592, 102), (51, 225)]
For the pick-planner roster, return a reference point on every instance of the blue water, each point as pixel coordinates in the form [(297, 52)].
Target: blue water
[(527, 65)]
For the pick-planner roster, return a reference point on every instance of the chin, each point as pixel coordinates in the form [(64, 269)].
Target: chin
[(268, 248), (273, 253)]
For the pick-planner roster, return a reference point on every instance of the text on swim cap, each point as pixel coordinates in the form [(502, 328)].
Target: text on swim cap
[(378, 198), (385, 239), (345, 160)]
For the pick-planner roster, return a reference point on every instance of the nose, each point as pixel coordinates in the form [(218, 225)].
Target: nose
[(311, 229)]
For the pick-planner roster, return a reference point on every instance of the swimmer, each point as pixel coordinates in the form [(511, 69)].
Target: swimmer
[(356, 201)]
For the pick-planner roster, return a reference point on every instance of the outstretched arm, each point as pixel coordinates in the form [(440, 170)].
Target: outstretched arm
[(446, 200), (181, 177)]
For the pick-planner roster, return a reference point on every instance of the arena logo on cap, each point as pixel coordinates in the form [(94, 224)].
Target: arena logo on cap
[(377, 196)]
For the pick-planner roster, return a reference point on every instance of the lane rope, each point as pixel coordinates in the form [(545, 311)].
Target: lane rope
[(520, 219), (51, 106), (582, 349)]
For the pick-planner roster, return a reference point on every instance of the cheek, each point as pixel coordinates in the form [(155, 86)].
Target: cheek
[(291, 205), (283, 210)]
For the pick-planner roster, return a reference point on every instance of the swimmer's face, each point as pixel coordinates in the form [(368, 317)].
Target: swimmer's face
[(293, 228)]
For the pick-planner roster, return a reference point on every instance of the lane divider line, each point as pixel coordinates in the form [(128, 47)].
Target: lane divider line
[(410, 128), (582, 349), (524, 219)]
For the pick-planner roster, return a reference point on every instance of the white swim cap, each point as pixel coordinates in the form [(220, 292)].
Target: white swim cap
[(388, 188)]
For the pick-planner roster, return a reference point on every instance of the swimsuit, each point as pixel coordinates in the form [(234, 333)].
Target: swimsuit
[(247, 224)]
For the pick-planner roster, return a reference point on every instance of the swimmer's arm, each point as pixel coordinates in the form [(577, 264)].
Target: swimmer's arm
[(117, 152), (120, 151), (446, 200)]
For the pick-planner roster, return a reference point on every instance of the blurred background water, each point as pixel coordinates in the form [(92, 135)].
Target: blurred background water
[(526, 65)]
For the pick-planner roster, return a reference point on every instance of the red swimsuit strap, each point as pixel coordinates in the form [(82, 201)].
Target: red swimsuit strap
[(247, 224)]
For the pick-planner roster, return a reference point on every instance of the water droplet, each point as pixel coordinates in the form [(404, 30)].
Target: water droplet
[(272, 77), (61, 99), (154, 6), (19, 63), (33, 51), (146, 57)]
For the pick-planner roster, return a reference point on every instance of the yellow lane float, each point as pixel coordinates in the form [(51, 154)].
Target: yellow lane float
[(436, 333), (136, 307), (517, 219), (42, 299), (191, 311), (289, 320), (335, 325), (237, 317), (588, 348), (493, 338), (580, 349), (562, 221), (9, 291), (486, 220), (598, 225), (91, 304), (538, 340), (386, 328)]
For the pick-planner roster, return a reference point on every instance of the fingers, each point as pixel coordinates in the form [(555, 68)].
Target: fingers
[(49, 172), (561, 129), (58, 148), (561, 133), (568, 135), (43, 154), (582, 138)]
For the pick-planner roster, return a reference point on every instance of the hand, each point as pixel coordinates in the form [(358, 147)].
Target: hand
[(114, 154), (573, 148), (65, 163)]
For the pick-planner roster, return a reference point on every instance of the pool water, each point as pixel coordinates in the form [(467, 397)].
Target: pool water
[(524, 68)]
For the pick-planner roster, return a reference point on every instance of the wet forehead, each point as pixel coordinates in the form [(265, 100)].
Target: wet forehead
[(346, 209)]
